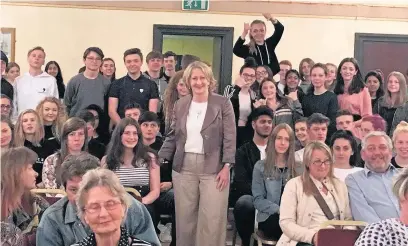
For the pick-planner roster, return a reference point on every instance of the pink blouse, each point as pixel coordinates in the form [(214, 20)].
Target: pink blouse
[(357, 104)]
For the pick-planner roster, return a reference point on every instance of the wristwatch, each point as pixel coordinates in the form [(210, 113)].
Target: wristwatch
[(228, 165)]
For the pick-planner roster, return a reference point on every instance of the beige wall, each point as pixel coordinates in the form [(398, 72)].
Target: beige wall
[(66, 32)]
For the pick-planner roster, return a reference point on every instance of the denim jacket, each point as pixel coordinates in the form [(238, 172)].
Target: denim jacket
[(61, 226), (267, 191)]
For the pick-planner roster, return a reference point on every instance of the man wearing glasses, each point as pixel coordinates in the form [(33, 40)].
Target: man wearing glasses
[(89, 87)]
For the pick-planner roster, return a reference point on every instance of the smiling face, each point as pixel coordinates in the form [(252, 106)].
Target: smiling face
[(331, 73), (199, 82), (130, 137), (133, 63), (376, 154), (348, 71), (393, 85), (261, 73), (182, 89), (93, 61), (108, 68), (373, 84), (29, 123), (292, 81), (104, 212), (52, 70), (301, 131), (258, 32), (5, 106), (268, 90), (50, 112), (401, 145), (248, 74), (169, 63), (5, 135), (283, 70)]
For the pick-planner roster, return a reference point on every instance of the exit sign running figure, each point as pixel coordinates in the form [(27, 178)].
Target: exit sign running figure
[(196, 5)]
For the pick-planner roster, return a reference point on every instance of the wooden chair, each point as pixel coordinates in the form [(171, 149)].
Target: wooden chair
[(260, 237), (50, 199), (343, 237)]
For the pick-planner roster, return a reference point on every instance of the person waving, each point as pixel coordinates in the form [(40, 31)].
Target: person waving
[(263, 50)]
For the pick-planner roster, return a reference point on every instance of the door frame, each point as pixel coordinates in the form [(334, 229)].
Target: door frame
[(361, 38), (225, 33)]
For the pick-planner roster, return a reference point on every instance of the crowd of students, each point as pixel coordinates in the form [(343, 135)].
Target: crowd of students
[(320, 135)]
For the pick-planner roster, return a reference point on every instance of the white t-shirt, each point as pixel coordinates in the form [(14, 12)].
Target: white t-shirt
[(195, 120), (244, 108), (341, 173), (262, 150)]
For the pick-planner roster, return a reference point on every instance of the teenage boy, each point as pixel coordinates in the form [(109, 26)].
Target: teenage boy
[(35, 85), (89, 87), (132, 88)]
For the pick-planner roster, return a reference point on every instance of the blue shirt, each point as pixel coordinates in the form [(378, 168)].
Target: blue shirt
[(61, 226), (371, 197)]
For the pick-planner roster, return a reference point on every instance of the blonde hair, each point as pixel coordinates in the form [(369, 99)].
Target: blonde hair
[(402, 127), (307, 161), (400, 187), (402, 96), (270, 169), (252, 44), (61, 118), (13, 163), (100, 177), (207, 73), (19, 135)]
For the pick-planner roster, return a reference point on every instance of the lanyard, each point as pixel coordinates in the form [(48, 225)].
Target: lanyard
[(267, 53)]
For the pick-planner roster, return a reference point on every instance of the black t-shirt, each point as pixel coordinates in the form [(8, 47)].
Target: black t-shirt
[(394, 163), (96, 148), (46, 148), (138, 91)]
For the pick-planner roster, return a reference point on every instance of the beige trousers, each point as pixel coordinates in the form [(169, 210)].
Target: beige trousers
[(201, 209)]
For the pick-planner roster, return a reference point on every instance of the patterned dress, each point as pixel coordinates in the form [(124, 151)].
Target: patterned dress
[(386, 232), (10, 235)]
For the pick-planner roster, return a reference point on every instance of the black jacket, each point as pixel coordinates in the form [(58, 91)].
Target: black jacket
[(263, 56), (245, 158), (7, 88)]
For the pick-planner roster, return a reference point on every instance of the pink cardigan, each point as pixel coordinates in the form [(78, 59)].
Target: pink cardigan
[(357, 104)]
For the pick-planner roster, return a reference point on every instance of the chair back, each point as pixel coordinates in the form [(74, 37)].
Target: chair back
[(50, 195)]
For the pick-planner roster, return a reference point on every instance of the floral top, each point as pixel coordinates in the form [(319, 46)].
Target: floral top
[(124, 240), (386, 232), (49, 172), (28, 222), (10, 235)]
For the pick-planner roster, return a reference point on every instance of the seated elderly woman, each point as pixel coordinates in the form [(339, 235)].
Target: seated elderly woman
[(392, 231), (102, 204), (312, 198), (20, 209)]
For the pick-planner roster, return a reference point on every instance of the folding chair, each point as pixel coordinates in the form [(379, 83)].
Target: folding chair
[(45, 193), (260, 237), (339, 237)]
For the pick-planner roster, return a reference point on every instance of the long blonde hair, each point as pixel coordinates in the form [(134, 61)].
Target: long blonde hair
[(252, 44), (307, 161), (61, 118), (13, 163), (19, 135), (270, 169), (402, 95)]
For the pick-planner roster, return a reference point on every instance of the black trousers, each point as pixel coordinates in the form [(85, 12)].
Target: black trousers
[(244, 215), (270, 227)]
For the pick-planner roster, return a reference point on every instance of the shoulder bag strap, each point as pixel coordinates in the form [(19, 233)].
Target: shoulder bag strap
[(322, 203)]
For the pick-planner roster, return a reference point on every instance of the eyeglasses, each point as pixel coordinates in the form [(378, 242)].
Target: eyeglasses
[(261, 73), (94, 59), (96, 207), (5, 106), (320, 163), (248, 76)]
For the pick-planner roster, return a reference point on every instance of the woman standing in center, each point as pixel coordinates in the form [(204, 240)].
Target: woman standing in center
[(201, 144)]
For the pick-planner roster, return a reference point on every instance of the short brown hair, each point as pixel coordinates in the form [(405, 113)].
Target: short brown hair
[(154, 55), (36, 48), (286, 62)]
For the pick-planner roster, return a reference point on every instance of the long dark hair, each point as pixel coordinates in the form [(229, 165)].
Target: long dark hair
[(380, 92), (294, 71), (279, 97), (347, 135), (116, 149), (317, 65), (59, 78), (357, 84)]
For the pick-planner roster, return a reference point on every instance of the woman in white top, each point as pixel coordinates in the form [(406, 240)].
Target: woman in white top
[(400, 140), (300, 214), (345, 154), (201, 143), (242, 98)]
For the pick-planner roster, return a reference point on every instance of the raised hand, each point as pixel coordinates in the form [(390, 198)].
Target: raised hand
[(268, 16), (240, 82), (245, 32)]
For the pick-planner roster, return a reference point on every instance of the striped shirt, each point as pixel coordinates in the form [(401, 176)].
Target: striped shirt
[(133, 176)]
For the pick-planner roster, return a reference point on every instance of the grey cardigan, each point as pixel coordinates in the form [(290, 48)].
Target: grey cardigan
[(401, 114)]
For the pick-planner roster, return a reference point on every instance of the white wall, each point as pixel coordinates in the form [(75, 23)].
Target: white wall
[(66, 32)]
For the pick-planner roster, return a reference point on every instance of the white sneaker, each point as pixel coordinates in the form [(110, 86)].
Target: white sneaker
[(165, 234)]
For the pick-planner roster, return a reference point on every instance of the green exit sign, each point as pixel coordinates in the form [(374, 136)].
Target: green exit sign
[(196, 5)]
